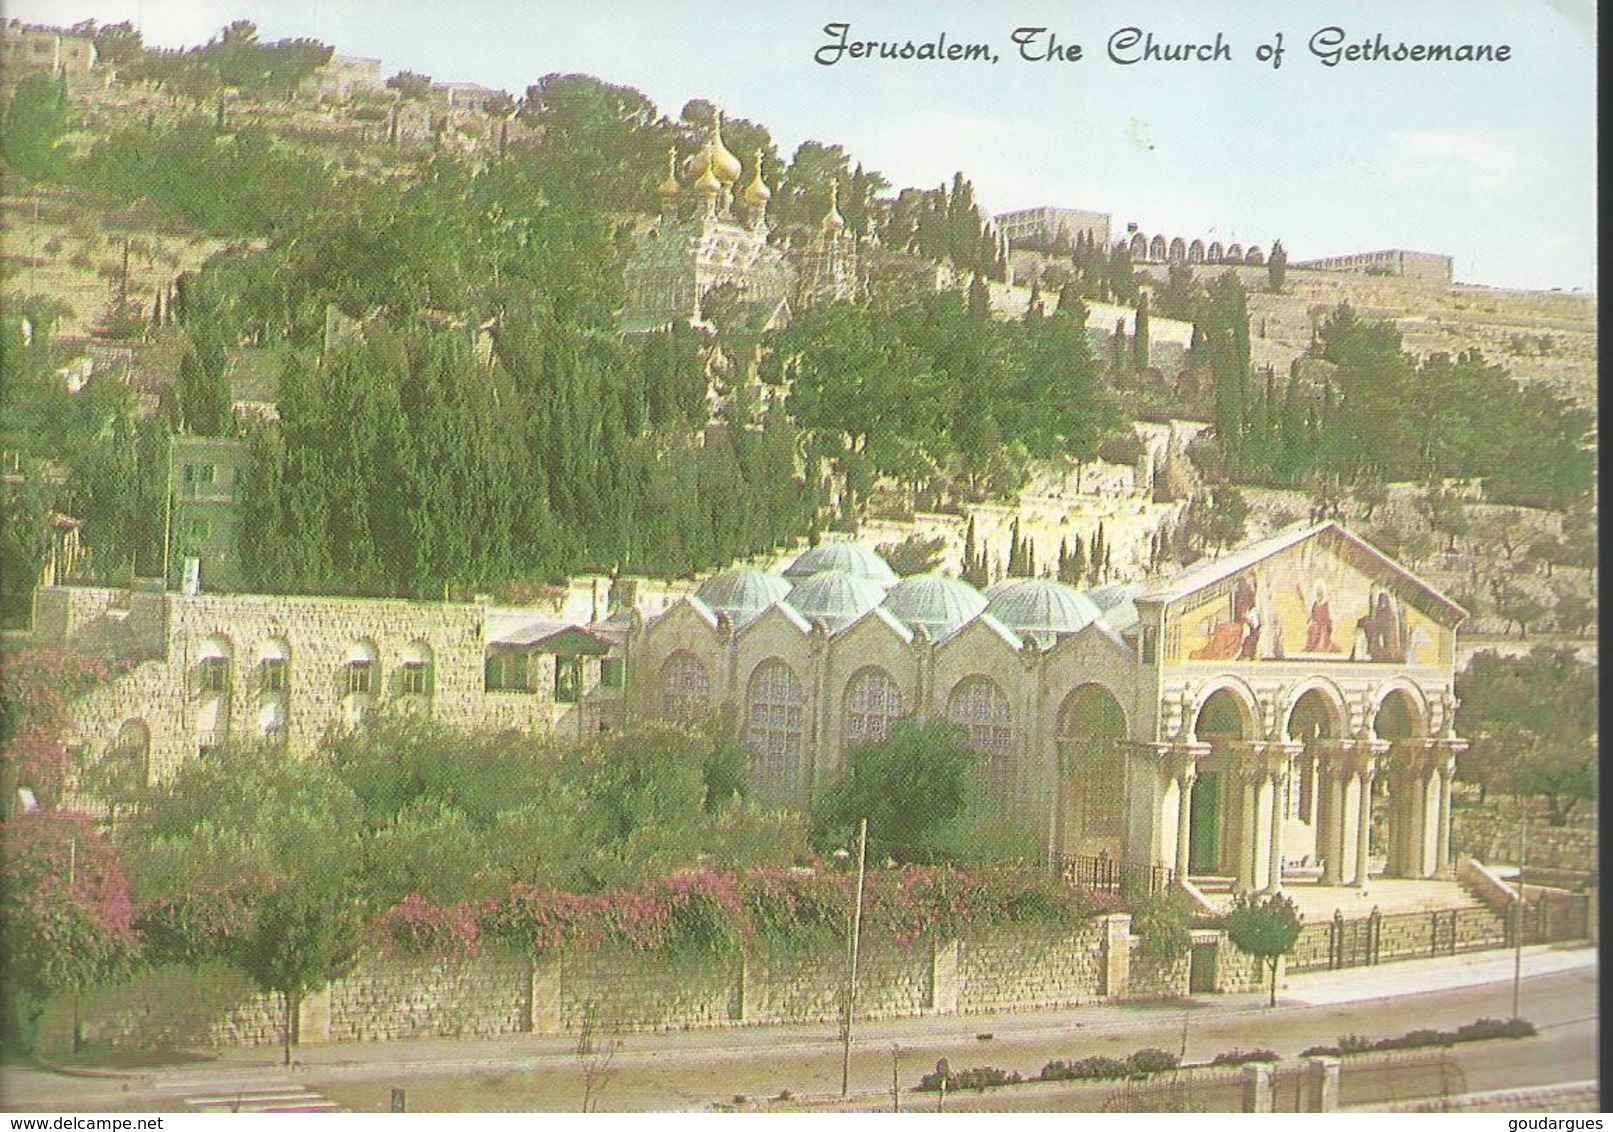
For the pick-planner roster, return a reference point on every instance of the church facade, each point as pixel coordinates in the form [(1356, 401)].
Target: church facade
[(1287, 706)]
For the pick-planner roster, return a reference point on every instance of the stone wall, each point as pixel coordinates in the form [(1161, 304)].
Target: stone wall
[(1155, 978), (1026, 969), (390, 998), (317, 637), (413, 998), (1492, 836), (170, 1007)]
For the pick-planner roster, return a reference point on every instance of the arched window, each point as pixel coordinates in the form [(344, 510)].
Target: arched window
[(274, 667), (981, 708), (1091, 728), (415, 671), (685, 685), (360, 680), (775, 723), (120, 777), (873, 705), (213, 671)]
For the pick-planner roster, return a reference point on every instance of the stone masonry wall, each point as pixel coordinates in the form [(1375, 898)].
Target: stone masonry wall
[(319, 635), (170, 1007), (1490, 836), (1026, 969), (390, 998), (413, 998), (1154, 978)]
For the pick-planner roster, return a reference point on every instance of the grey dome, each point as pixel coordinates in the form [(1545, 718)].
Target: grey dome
[(848, 557), (1107, 597), (835, 596), (937, 604), (1041, 605), (742, 592)]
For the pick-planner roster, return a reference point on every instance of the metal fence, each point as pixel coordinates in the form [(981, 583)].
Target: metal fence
[(1105, 874), (1547, 917)]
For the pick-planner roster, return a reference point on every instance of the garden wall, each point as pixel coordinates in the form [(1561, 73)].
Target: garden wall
[(390, 998), (1492, 836)]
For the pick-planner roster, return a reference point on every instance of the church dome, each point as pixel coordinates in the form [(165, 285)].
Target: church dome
[(757, 193), (838, 598), (669, 187), (723, 163), (742, 592), (934, 602), (848, 557), (1041, 605), (833, 222), (707, 184)]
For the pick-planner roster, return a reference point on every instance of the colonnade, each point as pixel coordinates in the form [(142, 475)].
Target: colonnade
[(1255, 780)]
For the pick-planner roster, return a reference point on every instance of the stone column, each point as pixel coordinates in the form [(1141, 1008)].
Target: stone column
[(1442, 855), (1184, 818), (1363, 828), (1248, 816), (1279, 813), (1321, 1084), (1257, 1087), (1330, 832)]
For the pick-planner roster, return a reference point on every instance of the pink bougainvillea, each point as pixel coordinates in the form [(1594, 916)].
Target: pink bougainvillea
[(66, 918)]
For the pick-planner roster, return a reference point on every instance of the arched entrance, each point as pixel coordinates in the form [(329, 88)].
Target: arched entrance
[(1224, 718), (1090, 730), (1316, 719)]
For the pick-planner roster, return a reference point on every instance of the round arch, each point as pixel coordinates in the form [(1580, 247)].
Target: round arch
[(775, 731), (1399, 712), (1091, 711), (1315, 710), (979, 706), (1226, 711), (870, 707), (685, 684)]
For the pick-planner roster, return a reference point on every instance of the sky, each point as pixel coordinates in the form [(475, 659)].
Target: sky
[(1492, 163)]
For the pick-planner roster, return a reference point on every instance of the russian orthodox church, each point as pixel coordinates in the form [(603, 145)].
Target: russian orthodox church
[(706, 237), (702, 241)]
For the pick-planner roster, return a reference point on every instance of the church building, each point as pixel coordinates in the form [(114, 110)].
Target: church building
[(1286, 706)]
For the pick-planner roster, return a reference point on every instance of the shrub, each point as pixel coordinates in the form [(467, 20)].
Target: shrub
[(1146, 1062), (1244, 1057), (1482, 1030), (979, 1078), (1097, 1068), (1164, 925)]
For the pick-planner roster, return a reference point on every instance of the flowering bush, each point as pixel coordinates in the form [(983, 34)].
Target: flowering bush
[(66, 919), (37, 687), (200, 923), (709, 912), (413, 927)]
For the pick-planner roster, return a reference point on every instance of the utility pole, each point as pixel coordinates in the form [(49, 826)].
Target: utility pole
[(1517, 926), (851, 960)]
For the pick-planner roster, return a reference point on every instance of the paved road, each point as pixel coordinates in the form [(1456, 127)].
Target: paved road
[(699, 1069)]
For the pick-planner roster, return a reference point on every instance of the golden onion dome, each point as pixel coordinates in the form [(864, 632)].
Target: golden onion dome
[(723, 163), (757, 193), (707, 184), (669, 187), (832, 220)]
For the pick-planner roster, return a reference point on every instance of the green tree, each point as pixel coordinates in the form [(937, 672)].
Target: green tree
[(304, 935), (1265, 929), (913, 787), (1277, 266), (33, 122), (1164, 925), (1537, 715)]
